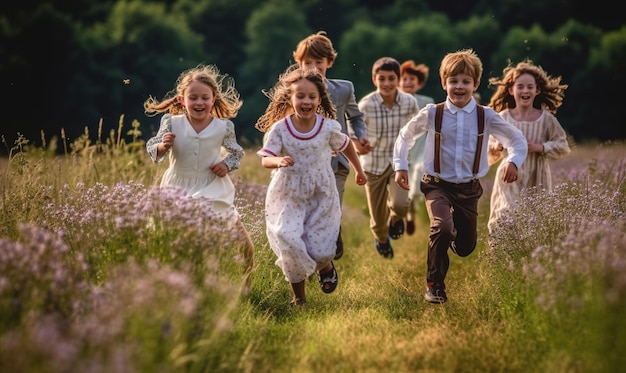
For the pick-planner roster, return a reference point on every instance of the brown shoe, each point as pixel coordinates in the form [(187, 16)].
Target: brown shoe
[(410, 227)]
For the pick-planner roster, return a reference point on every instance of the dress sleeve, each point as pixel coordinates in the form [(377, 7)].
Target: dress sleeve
[(153, 143), (272, 142), (233, 149), (339, 141), (556, 145)]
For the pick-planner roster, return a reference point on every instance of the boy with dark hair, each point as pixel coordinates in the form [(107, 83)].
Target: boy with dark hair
[(385, 110)]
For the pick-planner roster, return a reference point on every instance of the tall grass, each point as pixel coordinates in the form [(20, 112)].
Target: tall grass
[(100, 271)]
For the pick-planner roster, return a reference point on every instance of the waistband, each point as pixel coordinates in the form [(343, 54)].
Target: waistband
[(428, 179)]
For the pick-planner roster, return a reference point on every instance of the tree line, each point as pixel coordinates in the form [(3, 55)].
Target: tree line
[(69, 64)]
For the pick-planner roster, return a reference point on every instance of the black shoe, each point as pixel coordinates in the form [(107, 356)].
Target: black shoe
[(385, 249), (339, 251), (396, 230), (436, 293), (328, 281)]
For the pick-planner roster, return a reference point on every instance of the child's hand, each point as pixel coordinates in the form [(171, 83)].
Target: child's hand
[(286, 161), (167, 141), (220, 169), (402, 179), (535, 148), (360, 178), (362, 146), (509, 172)]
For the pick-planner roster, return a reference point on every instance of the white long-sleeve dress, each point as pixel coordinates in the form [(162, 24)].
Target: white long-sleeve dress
[(535, 171), (192, 155), (302, 208)]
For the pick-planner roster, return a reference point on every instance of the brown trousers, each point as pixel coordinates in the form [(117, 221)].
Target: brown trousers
[(453, 213)]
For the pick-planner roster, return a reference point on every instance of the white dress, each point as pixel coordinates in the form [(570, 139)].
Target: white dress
[(535, 171), (194, 153), (302, 207)]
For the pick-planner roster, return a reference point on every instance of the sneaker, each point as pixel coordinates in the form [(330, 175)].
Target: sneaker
[(436, 294)]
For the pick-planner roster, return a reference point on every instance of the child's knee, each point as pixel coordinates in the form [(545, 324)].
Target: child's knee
[(444, 229), (463, 249)]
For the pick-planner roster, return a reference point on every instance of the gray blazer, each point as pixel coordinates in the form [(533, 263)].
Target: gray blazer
[(348, 114)]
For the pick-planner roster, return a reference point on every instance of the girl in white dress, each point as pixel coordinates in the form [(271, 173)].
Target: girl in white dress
[(302, 203), (193, 131), (527, 98)]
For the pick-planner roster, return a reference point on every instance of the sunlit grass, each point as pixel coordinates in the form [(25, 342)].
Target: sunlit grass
[(102, 272)]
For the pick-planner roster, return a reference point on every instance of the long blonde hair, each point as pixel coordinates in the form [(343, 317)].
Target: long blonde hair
[(227, 99), (280, 97)]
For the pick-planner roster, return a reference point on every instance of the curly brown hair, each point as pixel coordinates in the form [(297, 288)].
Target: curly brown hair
[(280, 97), (551, 91)]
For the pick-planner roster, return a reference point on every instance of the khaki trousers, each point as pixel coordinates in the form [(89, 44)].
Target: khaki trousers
[(385, 200)]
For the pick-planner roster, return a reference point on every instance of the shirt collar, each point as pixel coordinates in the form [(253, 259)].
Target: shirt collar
[(471, 105), (382, 101)]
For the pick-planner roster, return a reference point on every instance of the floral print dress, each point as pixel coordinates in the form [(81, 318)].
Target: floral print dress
[(302, 208)]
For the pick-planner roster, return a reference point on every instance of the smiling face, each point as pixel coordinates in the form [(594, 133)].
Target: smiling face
[(305, 98), (409, 83), (386, 81), (460, 88), (198, 99), (524, 90)]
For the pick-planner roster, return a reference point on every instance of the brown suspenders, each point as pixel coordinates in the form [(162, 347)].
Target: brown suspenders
[(479, 146)]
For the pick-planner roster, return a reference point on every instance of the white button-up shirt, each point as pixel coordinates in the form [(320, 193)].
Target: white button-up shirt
[(459, 135)]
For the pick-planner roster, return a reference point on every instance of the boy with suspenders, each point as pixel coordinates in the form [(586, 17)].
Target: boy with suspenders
[(455, 158)]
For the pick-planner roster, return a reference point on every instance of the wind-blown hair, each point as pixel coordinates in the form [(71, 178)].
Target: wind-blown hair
[(227, 100), (280, 97), (551, 91)]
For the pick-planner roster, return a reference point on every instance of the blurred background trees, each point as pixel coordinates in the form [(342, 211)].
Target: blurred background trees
[(67, 64)]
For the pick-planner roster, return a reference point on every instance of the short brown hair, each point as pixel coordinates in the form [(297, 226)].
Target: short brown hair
[(317, 46), (465, 61)]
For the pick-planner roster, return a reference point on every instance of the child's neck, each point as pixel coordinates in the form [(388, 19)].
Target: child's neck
[(525, 113), (303, 125)]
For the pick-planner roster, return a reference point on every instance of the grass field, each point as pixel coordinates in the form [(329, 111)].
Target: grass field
[(99, 272)]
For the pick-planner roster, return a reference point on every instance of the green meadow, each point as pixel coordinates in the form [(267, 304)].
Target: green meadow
[(100, 271)]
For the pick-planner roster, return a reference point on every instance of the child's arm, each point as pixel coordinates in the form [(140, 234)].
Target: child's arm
[(509, 172), (356, 124), (515, 142), (277, 162), (353, 157), (556, 144), (414, 128), (494, 150), (234, 151), (160, 144)]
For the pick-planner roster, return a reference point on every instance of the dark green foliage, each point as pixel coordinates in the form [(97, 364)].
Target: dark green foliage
[(79, 62)]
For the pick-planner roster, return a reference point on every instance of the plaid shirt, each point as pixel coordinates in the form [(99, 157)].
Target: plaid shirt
[(383, 126)]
